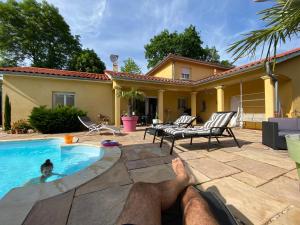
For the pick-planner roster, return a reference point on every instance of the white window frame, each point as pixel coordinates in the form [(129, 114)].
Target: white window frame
[(185, 73), (65, 94)]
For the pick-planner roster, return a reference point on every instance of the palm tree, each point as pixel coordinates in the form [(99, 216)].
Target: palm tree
[(282, 23), (130, 96)]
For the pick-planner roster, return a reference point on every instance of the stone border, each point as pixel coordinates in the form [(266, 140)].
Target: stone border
[(17, 203)]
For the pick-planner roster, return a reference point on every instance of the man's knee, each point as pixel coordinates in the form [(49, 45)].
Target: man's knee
[(197, 204)]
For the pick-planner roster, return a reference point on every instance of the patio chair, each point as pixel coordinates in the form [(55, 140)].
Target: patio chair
[(93, 127), (213, 128), (157, 130)]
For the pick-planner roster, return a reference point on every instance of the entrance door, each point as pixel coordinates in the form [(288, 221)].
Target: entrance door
[(152, 107)]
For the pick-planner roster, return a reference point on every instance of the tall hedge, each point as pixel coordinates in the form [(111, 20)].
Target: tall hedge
[(61, 119), (7, 113)]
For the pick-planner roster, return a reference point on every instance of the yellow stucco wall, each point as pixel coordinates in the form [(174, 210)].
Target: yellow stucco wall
[(27, 92), (196, 71), (253, 96), (165, 71), (171, 110), (289, 87), (209, 99)]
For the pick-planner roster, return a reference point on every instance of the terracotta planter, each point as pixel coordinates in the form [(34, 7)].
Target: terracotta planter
[(68, 139), (293, 143), (129, 123)]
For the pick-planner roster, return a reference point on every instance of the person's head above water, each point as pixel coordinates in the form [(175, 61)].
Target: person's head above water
[(46, 168)]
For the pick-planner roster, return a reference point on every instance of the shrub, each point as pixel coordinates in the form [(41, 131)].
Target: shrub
[(61, 119), (7, 113), (20, 126)]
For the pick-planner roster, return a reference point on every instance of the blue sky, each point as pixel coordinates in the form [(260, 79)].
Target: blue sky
[(124, 27)]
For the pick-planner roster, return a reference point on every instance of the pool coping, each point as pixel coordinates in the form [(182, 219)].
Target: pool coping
[(17, 203)]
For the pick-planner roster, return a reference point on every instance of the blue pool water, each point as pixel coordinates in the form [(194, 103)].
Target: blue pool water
[(20, 161)]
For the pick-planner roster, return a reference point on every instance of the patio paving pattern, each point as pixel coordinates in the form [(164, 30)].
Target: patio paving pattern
[(259, 185)]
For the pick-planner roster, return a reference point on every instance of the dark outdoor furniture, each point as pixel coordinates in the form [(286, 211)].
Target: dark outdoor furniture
[(174, 215), (157, 130), (275, 129), (213, 128)]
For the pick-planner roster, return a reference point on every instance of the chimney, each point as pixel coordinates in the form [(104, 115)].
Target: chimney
[(114, 60)]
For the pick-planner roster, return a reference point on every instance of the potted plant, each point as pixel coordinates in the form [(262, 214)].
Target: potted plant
[(155, 120), (129, 120), (293, 144)]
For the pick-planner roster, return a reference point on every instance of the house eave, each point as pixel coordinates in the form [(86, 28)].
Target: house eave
[(53, 76)]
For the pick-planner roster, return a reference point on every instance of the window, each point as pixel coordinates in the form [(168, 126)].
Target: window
[(182, 103), (63, 98), (185, 73)]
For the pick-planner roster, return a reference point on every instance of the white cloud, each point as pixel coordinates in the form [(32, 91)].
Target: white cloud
[(82, 16)]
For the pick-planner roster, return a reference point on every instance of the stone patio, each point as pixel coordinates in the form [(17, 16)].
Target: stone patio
[(259, 185)]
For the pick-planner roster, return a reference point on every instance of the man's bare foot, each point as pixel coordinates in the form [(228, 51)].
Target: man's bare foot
[(181, 172)]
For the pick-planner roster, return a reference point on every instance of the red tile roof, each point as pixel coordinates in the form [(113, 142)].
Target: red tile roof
[(249, 66), (55, 72), (128, 76)]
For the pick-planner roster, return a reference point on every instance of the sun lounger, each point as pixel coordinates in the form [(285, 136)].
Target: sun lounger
[(157, 130), (213, 128), (93, 127)]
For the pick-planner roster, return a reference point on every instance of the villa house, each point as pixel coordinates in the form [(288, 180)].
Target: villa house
[(173, 86)]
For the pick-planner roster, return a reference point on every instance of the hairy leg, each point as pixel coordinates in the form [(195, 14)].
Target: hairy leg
[(146, 201), (196, 211)]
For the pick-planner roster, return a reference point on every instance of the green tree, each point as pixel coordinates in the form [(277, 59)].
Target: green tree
[(131, 67), (35, 32), (87, 61), (282, 22), (188, 44), (7, 113)]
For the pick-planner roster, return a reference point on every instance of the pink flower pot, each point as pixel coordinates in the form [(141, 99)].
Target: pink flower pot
[(129, 123)]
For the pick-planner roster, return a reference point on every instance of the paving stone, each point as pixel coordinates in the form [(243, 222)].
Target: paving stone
[(258, 169), (138, 151), (117, 175), (284, 188), (247, 178), (212, 168), (199, 177), (232, 149), (50, 211), (271, 159), (136, 164), (101, 207), (291, 217), (191, 155), (222, 156), (292, 174), (153, 174), (245, 202)]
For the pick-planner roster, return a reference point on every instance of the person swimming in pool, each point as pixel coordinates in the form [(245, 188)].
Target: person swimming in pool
[(46, 171)]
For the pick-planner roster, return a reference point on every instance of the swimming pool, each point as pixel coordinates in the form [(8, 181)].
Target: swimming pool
[(20, 160)]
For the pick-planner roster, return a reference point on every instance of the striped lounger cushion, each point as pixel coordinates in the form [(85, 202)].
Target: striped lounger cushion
[(216, 120), (181, 121), (184, 119)]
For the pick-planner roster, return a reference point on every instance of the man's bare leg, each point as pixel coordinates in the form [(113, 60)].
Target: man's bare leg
[(146, 201), (196, 210)]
